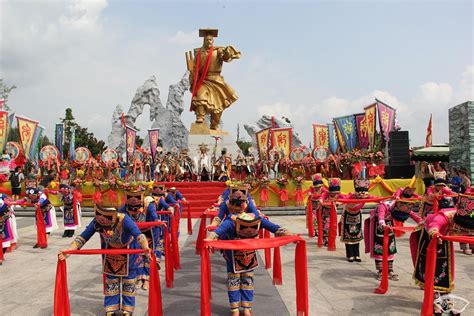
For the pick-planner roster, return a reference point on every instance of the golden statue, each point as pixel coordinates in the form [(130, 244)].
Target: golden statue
[(210, 94)]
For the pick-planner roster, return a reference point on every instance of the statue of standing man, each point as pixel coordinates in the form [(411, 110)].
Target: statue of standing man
[(210, 93)]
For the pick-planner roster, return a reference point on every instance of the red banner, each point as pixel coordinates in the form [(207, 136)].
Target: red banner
[(320, 136), (362, 130), (371, 119), (130, 137)]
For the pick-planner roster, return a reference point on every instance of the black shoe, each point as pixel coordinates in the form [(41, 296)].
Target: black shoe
[(35, 246), (71, 233), (350, 259), (357, 259), (66, 234)]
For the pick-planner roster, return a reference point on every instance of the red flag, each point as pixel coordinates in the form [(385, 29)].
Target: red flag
[(429, 133), (123, 120), (2, 103)]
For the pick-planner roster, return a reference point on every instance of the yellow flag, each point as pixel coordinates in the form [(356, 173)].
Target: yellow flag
[(26, 129)]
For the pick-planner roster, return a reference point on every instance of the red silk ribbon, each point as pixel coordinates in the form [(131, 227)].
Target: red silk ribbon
[(41, 239), (301, 273), (61, 296), (309, 218)]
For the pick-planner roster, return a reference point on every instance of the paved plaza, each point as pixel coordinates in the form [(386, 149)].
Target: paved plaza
[(336, 287)]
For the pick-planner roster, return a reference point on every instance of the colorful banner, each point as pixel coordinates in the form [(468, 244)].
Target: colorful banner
[(371, 119), (4, 126), (35, 144), (346, 126), (362, 131), (130, 137), (263, 139), (332, 138), (386, 119), (72, 144), (281, 138), (26, 130), (153, 135), (320, 136), (59, 138)]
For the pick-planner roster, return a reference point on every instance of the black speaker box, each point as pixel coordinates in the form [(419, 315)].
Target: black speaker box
[(399, 172)]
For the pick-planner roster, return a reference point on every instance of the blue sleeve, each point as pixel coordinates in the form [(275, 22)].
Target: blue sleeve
[(251, 208), (269, 225), (129, 224), (151, 213), (43, 202), (225, 228), (122, 209), (179, 196), (163, 205), (225, 194), (170, 199), (223, 210), (89, 231)]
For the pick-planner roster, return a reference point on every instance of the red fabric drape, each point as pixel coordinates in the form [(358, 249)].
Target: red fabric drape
[(1, 246), (74, 210), (268, 251), (319, 214), (61, 296), (435, 205), (332, 234), (383, 286), (301, 273), (201, 233), (264, 196), (360, 201), (175, 241), (397, 224), (309, 218), (190, 225), (41, 239), (299, 196), (431, 254), (277, 273)]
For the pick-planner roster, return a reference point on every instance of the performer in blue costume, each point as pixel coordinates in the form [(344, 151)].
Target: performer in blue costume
[(143, 210), (117, 231), (242, 224)]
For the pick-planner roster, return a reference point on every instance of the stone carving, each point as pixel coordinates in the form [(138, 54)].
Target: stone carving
[(266, 121), (461, 137), (173, 133)]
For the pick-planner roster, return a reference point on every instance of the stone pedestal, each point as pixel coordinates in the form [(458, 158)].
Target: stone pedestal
[(200, 133)]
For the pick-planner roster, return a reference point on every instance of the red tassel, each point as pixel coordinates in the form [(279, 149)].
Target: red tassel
[(310, 218), (299, 197), (175, 241), (301, 278), (41, 239), (383, 286), (97, 197), (431, 253), (190, 225), (277, 273), (264, 196), (61, 296), (155, 305), (205, 283), (268, 251), (169, 260), (398, 233), (332, 228), (319, 214)]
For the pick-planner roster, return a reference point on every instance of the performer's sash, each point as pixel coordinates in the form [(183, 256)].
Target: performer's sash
[(116, 265), (245, 260)]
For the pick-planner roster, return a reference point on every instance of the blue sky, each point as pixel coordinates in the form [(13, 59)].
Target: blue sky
[(309, 61)]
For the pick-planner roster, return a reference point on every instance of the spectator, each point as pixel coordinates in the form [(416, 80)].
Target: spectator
[(466, 182), (16, 179)]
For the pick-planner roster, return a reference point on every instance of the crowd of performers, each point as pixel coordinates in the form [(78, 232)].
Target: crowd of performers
[(439, 211)]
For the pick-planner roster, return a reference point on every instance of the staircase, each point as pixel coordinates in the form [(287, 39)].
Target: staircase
[(200, 195)]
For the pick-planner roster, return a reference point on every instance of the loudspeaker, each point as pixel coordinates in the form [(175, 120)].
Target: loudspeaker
[(399, 149), (399, 172)]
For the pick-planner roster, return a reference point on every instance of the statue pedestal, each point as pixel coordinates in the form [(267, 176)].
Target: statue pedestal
[(200, 133)]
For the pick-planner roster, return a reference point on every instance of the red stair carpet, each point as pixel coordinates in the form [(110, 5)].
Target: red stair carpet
[(200, 195)]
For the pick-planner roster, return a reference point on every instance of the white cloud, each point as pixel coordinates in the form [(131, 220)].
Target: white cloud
[(186, 38), (413, 114)]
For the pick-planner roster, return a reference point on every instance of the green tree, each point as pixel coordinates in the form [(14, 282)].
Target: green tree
[(83, 137)]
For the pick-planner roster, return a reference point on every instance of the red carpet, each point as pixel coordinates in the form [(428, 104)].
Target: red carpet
[(200, 195)]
